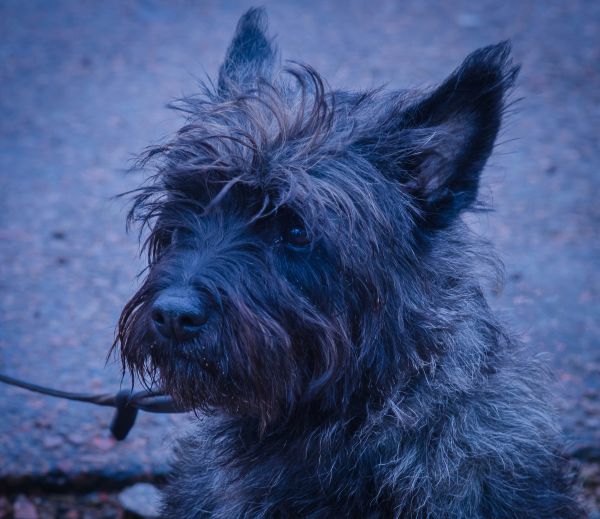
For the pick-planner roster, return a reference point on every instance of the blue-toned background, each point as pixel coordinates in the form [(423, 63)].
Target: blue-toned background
[(82, 89)]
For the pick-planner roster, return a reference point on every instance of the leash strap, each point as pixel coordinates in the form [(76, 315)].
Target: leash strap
[(127, 403)]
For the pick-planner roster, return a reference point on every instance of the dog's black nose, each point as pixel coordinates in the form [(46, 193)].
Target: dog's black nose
[(178, 316)]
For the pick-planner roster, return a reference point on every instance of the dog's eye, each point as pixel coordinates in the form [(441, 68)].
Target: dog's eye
[(296, 236)]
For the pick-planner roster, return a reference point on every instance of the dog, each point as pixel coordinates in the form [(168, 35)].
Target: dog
[(312, 294)]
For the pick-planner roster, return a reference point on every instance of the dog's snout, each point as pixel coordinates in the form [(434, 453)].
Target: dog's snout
[(178, 316)]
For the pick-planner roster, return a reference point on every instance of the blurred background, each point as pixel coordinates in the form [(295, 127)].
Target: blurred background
[(83, 88)]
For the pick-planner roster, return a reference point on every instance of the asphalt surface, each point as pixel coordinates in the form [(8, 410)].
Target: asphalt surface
[(83, 87)]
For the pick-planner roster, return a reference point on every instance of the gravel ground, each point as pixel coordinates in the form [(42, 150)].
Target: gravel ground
[(83, 88)]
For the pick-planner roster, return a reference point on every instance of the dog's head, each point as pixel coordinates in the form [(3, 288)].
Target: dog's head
[(289, 227)]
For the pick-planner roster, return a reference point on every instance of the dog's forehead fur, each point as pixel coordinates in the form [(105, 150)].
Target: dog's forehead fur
[(290, 143)]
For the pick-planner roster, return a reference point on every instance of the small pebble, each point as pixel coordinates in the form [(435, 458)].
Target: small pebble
[(142, 499)]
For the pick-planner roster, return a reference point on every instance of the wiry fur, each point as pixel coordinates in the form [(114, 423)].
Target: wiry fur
[(362, 375)]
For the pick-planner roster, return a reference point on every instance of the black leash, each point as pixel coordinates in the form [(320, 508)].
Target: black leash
[(127, 403)]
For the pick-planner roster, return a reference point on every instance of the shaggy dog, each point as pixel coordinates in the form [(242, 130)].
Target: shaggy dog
[(313, 294)]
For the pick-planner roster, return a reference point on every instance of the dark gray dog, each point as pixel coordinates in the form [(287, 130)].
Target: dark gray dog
[(312, 294)]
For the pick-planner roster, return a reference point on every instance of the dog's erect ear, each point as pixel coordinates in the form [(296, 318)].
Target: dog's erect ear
[(445, 138), (250, 56)]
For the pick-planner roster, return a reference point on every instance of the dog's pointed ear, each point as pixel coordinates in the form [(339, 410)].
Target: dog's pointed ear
[(446, 136), (250, 56)]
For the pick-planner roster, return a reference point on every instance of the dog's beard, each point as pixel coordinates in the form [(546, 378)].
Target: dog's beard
[(201, 385), (246, 370), (194, 373), (256, 360)]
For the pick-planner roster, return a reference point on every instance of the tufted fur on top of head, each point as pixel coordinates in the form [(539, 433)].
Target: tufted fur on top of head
[(270, 130)]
